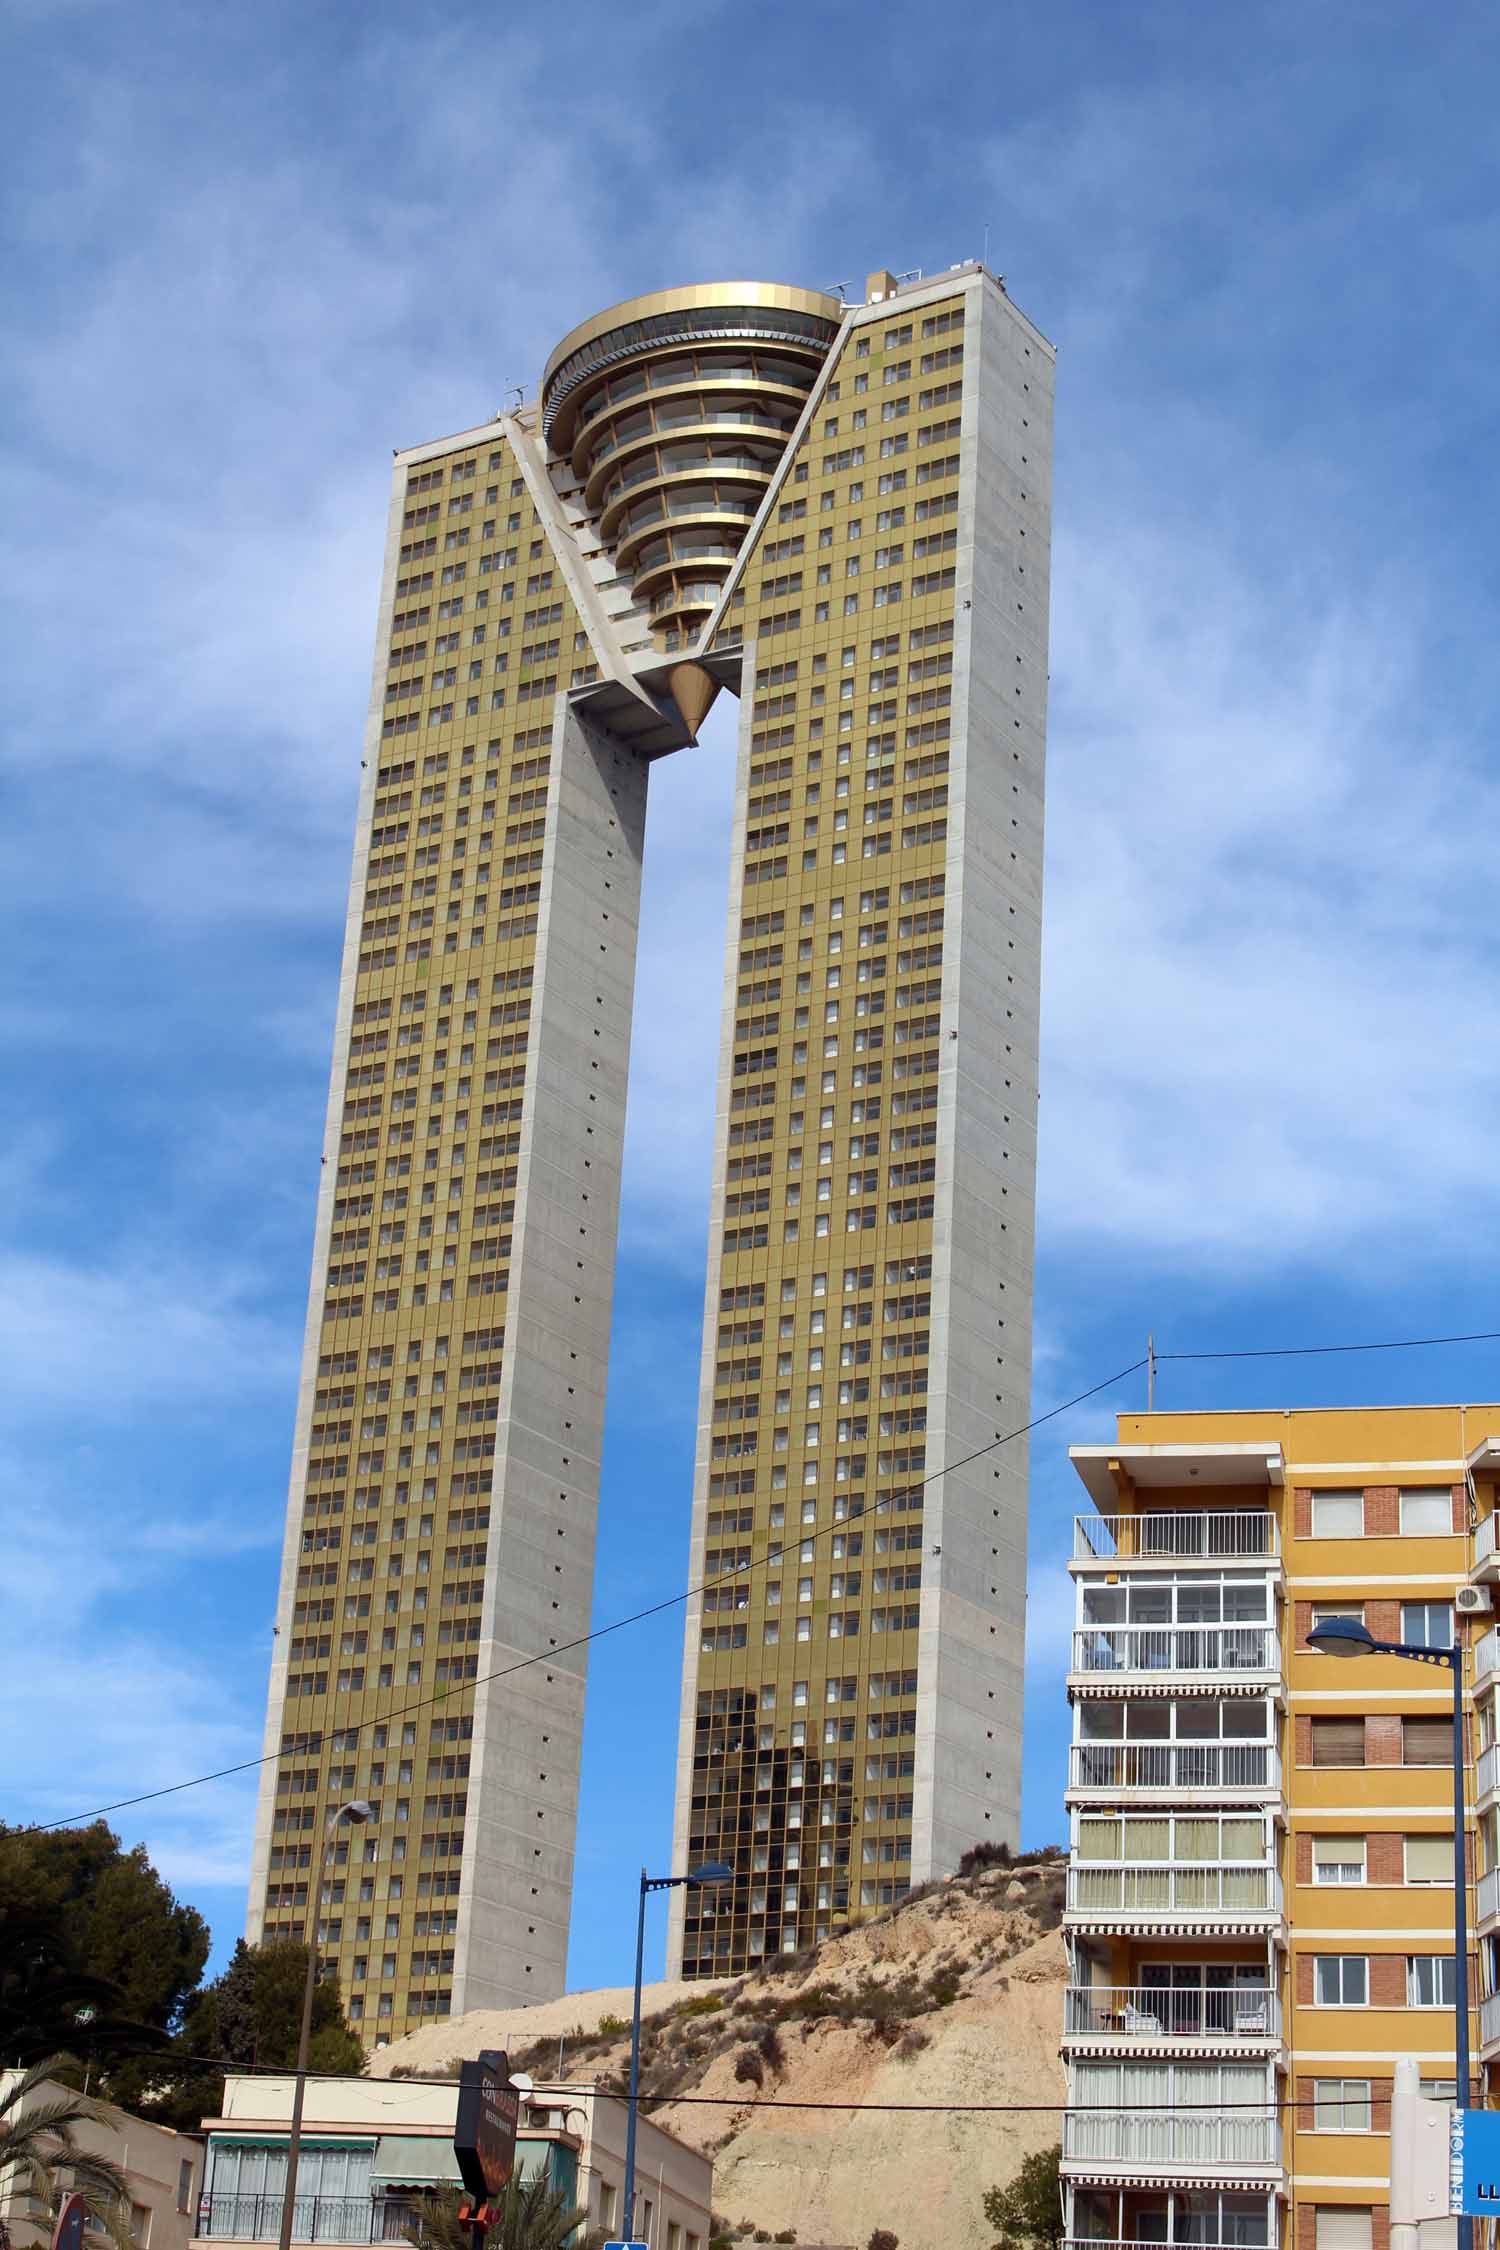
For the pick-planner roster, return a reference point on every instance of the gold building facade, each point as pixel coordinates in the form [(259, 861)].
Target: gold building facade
[(841, 514)]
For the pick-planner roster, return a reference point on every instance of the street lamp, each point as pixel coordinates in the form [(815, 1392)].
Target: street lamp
[(701, 1878), (1348, 1636), (355, 1811)]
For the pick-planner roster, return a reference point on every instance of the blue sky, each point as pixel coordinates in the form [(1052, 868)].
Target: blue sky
[(250, 249)]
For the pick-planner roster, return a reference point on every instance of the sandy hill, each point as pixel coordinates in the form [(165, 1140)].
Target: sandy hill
[(953, 1997)]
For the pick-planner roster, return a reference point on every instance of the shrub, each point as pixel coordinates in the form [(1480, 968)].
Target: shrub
[(883, 2239), (748, 2067), (787, 2234), (772, 2051), (913, 2039), (984, 1855), (701, 2004), (610, 2027)]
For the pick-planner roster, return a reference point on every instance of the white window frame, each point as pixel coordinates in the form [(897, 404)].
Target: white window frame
[(1356, 1848), (1433, 1495), (1327, 1499), (1340, 2102), (1437, 1962), (1342, 2001), (1427, 1882)]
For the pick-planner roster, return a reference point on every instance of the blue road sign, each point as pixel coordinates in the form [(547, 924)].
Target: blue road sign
[(627, 2246), (1474, 2163)]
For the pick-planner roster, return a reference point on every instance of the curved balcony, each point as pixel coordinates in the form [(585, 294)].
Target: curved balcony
[(683, 377)]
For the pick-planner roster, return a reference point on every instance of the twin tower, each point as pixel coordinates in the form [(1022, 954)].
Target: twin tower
[(840, 513)]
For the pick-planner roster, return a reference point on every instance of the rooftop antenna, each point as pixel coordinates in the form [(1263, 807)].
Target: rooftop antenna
[(912, 273), (837, 288), (984, 261), (1150, 1373)]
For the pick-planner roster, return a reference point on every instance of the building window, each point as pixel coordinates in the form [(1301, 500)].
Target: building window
[(1427, 1624), (1338, 1859), (1340, 1980), (1427, 1511), (1338, 1742), (1429, 1859), (1341, 2105), (1342, 2229), (1429, 1980), (1338, 1515), (1322, 1611), (1426, 1742)]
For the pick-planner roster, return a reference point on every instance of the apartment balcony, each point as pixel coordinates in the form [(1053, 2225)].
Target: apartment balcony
[(1135, 2018), (1222, 2145), (1197, 1652), (1487, 1901), (1485, 1568), (1218, 1895), (1489, 2026), (1487, 1776), (1486, 1661), (1231, 1771), (1180, 1535), (315, 2218)]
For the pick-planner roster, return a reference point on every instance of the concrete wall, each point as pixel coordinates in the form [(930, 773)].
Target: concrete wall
[(164, 2170), (528, 1729)]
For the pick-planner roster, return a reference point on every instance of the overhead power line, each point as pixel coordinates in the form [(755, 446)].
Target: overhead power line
[(445, 1695), (598, 1633)]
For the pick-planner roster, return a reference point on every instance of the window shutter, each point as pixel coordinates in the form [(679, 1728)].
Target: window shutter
[(1429, 1859), (1343, 2230), (1426, 1742), (1338, 1742)]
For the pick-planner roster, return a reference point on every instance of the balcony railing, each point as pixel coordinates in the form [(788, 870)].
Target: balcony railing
[(1214, 1887), (1171, 2136), (315, 2218), (1487, 1895), (1148, 2013), (1484, 1538), (1487, 1653), (1231, 1534), (1487, 1772), (1251, 1767), (1176, 1648), (1489, 2019)]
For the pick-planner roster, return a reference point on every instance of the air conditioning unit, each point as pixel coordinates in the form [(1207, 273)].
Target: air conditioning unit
[(1472, 1601)]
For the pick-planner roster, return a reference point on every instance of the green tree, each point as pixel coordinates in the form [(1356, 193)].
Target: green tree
[(534, 2215), (39, 2154), (96, 1954), (1029, 2210), (248, 2018)]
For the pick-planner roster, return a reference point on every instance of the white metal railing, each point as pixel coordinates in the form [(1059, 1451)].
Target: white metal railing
[(1182, 1534), (1148, 2012), (1487, 1894), (1484, 1538), (1487, 1771), (1489, 2018), (1487, 1653), (1150, 2137), (1176, 1648), (1116, 2242), (1174, 1887), (1254, 1767)]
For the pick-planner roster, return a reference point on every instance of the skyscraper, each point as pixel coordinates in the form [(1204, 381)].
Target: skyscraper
[(841, 513)]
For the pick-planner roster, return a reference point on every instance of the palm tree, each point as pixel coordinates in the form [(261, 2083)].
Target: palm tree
[(534, 2215), (38, 2151)]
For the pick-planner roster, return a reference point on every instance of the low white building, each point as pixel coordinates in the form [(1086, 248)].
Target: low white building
[(373, 2147), (163, 2171)]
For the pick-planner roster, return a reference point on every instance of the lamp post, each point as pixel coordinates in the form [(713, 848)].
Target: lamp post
[(355, 1811), (702, 1878), (1348, 1636)]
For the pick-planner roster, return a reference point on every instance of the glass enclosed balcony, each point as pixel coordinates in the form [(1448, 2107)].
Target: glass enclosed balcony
[(1151, 2115), (1177, 1768), (1132, 2218), (1177, 1648)]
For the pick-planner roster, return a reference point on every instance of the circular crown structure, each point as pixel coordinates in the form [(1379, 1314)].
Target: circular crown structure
[(674, 410)]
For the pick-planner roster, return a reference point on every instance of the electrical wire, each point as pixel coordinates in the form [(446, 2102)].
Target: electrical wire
[(584, 1640), (444, 1695)]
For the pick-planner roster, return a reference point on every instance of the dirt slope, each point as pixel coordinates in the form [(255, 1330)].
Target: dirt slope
[(953, 1997)]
